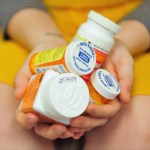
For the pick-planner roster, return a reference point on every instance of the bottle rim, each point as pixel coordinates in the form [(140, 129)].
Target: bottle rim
[(75, 62), (67, 96), (103, 21), (105, 83)]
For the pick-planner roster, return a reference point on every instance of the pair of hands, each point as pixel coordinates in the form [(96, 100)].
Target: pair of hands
[(119, 62)]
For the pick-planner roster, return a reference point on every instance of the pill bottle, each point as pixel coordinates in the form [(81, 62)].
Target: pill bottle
[(59, 97), (78, 58), (98, 31), (102, 87)]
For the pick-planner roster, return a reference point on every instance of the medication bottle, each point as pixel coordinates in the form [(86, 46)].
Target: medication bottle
[(78, 58), (59, 97), (102, 87), (98, 31)]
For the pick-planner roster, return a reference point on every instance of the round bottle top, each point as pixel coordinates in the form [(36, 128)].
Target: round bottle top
[(80, 58), (105, 84), (103, 21), (65, 95)]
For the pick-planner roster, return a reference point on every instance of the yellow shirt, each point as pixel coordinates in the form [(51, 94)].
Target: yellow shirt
[(69, 14)]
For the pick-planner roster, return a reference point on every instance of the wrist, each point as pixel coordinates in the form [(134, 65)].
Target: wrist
[(32, 26), (52, 39), (121, 43), (46, 44), (134, 35)]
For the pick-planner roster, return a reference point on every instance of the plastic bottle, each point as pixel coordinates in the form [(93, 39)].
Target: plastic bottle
[(56, 97), (98, 31), (78, 58), (102, 86)]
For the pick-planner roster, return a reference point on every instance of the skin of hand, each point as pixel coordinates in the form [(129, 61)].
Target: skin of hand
[(31, 120), (120, 63)]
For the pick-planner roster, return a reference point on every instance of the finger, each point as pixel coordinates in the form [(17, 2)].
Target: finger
[(125, 76), (28, 120), (125, 88), (67, 134), (104, 111), (74, 129), (21, 82), (87, 122), (51, 132), (78, 135), (107, 65)]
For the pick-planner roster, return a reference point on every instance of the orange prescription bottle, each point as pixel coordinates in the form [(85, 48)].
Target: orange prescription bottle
[(78, 58), (59, 97), (102, 86)]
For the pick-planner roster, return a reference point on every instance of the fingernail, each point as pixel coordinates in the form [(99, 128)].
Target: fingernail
[(69, 134)]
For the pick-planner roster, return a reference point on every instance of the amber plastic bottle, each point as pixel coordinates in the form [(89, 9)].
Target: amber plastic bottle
[(102, 86)]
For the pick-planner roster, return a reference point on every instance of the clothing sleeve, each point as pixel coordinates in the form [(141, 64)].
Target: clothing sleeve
[(142, 14), (10, 7)]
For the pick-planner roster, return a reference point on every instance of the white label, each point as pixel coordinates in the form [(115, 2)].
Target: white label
[(58, 68)]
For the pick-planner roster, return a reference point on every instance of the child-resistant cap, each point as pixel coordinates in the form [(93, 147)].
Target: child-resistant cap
[(80, 58), (105, 84), (105, 22), (65, 95)]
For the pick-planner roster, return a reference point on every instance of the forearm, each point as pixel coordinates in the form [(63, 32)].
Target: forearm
[(32, 26), (135, 29), (135, 36)]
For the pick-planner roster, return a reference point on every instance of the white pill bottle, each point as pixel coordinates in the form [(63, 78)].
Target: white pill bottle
[(99, 31)]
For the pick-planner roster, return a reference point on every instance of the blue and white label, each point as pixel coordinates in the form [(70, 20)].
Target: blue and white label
[(83, 58), (108, 81)]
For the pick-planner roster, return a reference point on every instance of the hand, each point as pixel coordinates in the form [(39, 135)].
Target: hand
[(51, 132), (120, 63), (96, 115), (30, 120)]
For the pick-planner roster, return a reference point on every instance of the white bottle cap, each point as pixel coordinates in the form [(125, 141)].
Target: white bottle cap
[(105, 84), (80, 58), (65, 96), (103, 21)]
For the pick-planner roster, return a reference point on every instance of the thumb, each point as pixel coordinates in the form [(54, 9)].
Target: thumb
[(125, 75), (28, 120), (21, 82), (125, 85)]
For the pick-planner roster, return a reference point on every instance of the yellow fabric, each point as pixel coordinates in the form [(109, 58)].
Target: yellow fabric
[(12, 57), (84, 3), (68, 15), (142, 75)]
